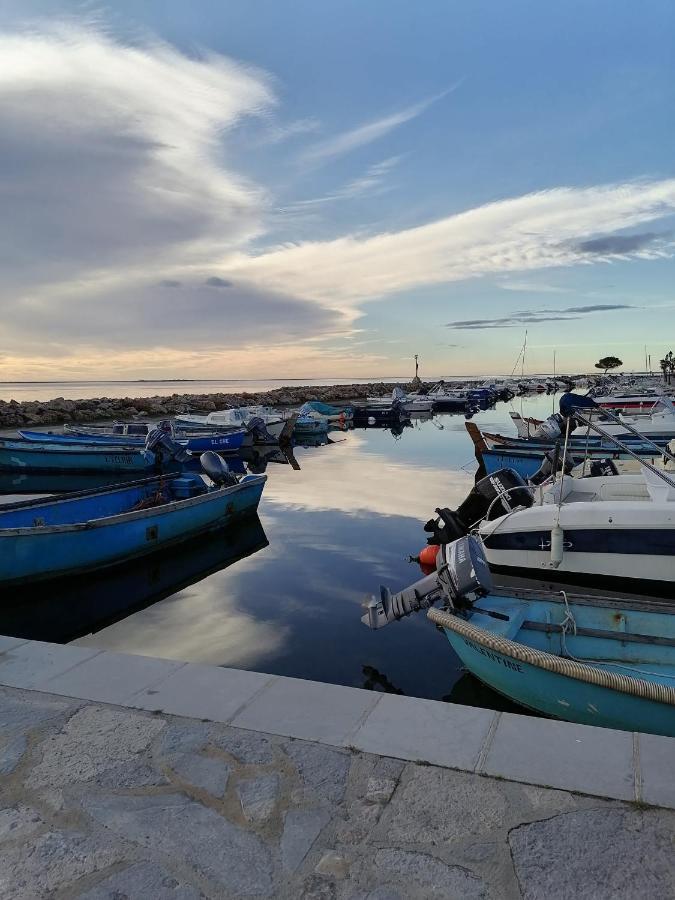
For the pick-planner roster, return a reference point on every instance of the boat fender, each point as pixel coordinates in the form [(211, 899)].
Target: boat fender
[(371, 420), (557, 540), (426, 558)]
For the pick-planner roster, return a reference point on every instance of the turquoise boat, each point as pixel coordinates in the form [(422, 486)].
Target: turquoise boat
[(30, 456), (589, 659), (83, 531)]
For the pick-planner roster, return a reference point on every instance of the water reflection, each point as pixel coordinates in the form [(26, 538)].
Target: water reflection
[(64, 609), (341, 518)]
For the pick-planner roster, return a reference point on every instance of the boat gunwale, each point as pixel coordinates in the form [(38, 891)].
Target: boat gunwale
[(558, 665), (129, 515)]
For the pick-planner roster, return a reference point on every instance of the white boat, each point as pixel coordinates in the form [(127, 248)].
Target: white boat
[(274, 424), (410, 402), (607, 531)]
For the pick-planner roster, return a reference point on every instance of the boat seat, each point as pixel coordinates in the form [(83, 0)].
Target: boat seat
[(615, 489), (658, 489)]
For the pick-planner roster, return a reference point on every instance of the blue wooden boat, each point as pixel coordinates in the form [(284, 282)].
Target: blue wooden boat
[(595, 660), (610, 664), (221, 442), (73, 533), (64, 609), (28, 456)]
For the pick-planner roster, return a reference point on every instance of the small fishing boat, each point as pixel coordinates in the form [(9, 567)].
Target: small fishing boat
[(72, 533), (595, 660), (306, 426), (197, 442), (335, 415), (392, 413), (30, 456), (418, 403), (264, 426)]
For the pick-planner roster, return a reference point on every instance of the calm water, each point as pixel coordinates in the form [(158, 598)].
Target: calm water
[(85, 390), (284, 594)]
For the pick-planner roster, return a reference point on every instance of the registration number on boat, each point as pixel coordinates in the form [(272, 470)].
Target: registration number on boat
[(495, 657), (120, 459)]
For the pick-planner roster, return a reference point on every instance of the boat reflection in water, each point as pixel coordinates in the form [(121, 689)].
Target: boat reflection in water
[(65, 609)]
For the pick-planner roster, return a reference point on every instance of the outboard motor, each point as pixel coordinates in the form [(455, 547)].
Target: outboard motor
[(165, 448), (492, 497), (570, 401), (552, 463), (461, 575), (550, 429), (259, 431), (217, 469)]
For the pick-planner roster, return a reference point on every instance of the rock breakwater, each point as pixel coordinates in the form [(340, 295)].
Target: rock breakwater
[(58, 411)]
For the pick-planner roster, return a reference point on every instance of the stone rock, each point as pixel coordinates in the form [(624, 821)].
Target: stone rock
[(11, 753), (333, 865), (613, 853), (435, 805), (21, 711), (183, 738), (258, 797), (427, 874), (322, 769), (360, 823), (172, 824), (94, 743), (301, 828), (144, 880), (246, 747), (49, 862), (203, 772), (18, 822), (317, 889), (379, 790)]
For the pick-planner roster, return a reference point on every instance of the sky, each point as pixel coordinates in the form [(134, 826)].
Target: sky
[(293, 188)]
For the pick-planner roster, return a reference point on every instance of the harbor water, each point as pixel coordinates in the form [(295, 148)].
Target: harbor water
[(283, 593)]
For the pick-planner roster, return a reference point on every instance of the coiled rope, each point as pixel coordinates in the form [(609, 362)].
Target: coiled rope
[(637, 687)]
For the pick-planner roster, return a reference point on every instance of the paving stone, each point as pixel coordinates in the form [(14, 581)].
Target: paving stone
[(409, 872), (433, 806), (563, 755), (607, 854), (379, 790), (34, 664), (38, 868), (445, 734), (10, 643), (11, 753), (322, 769), (247, 747), (360, 823), (112, 677), (307, 710), (18, 822), (183, 738), (258, 797), (203, 772), (317, 888), (333, 864), (301, 828), (96, 741), (180, 828), (202, 692), (145, 881), (24, 710), (657, 767)]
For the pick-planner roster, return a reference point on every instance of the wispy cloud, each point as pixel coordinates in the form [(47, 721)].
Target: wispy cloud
[(372, 181), (534, 317), (346, 141), (522, 234), (532, 287)]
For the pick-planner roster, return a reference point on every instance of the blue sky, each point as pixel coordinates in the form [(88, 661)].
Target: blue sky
[(325, 188)]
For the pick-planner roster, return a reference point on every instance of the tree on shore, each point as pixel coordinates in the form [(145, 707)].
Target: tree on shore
[(667, 365), (609, 362)]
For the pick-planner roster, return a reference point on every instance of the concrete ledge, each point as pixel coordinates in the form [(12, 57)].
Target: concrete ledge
[(594, 761)]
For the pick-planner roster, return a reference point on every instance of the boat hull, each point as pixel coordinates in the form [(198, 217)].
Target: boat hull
[(221, 443), (17, 456), (35, 551), (558, 696)]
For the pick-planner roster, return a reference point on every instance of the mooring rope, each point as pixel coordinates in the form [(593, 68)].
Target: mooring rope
[(637, 687)]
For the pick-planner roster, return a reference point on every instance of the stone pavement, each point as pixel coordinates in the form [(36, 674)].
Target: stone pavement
[(106, 803)]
